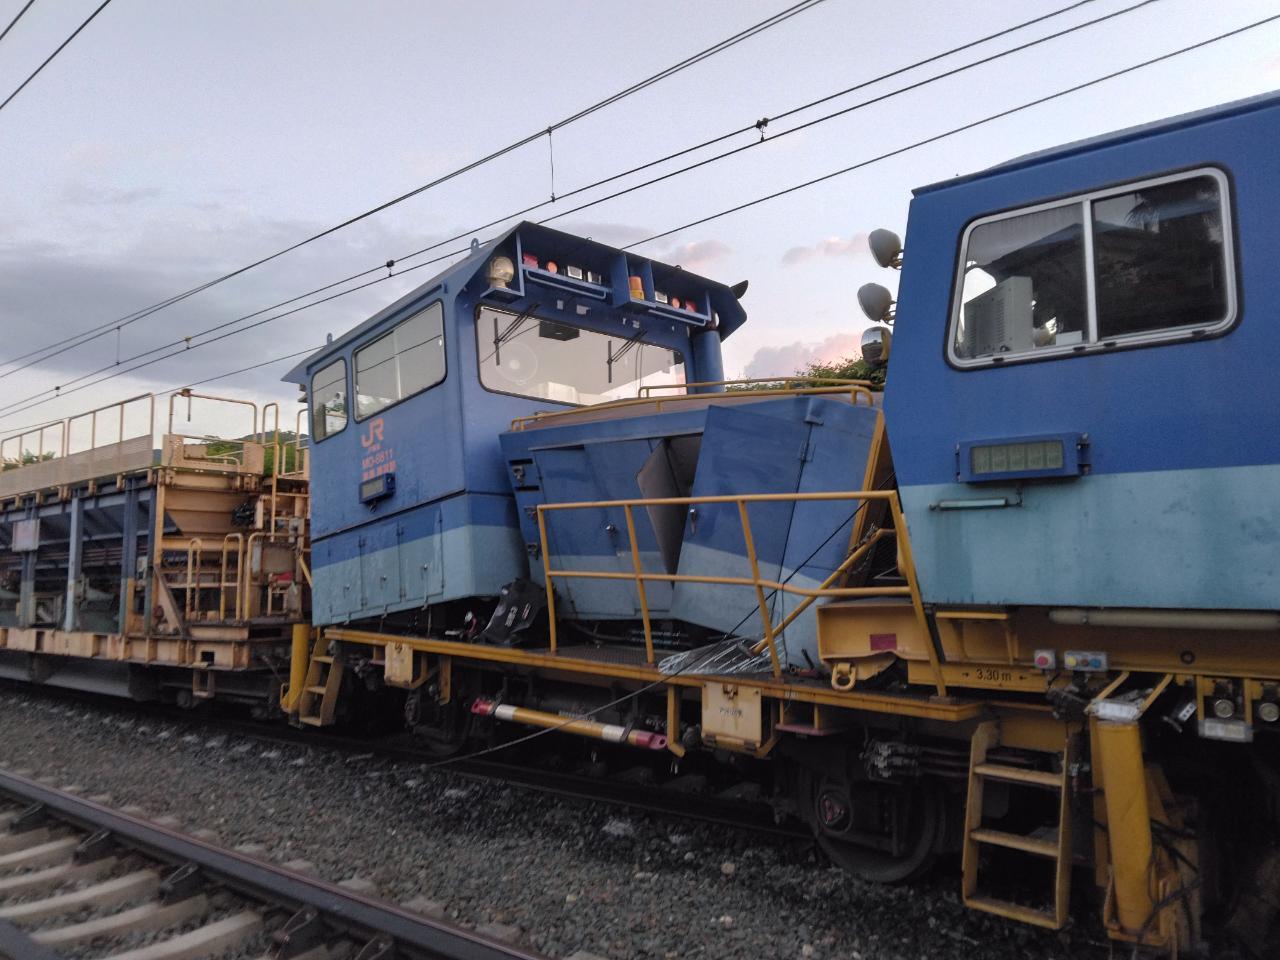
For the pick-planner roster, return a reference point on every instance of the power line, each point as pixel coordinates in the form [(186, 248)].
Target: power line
[(234, 373), (11, 432), (792, 189), (22, 86), (961, 129), (16, 18), (106, 328), (185, 342), (758, 125)]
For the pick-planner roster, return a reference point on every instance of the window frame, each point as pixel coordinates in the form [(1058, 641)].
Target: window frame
[(1093, 345), (346, 398), (355, 362), (684, 354)]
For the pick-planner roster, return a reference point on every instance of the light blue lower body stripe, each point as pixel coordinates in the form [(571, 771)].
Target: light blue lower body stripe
[(1207, 539), (467, 561)]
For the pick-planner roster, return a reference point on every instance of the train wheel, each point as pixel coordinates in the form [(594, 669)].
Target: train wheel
[(442, 729), (879, 832)]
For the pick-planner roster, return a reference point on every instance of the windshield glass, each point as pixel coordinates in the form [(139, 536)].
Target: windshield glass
[(546, 360)]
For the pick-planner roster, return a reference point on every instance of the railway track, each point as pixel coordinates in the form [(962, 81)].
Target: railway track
[(78, 879)]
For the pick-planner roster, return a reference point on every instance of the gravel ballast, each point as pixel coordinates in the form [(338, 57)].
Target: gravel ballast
[(560, 876)]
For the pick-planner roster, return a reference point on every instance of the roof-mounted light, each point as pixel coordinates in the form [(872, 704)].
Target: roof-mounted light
[(501, 271), (876, 302), (886, 248)]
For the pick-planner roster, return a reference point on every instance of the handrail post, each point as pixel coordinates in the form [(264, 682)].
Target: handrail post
[(640, 587), (224, 583), (907, 569), (755, 575), (195, 546), (546, 576)]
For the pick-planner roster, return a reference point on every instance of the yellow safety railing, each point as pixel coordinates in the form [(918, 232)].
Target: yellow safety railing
[(14, 447), (640, 577), (853, 390), (263, 537), (788, 383), (238, 540)]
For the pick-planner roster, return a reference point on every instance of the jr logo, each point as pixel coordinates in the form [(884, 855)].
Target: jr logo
[(373, 435)]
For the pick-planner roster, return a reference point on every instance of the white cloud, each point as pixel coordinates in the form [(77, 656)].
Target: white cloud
[(791, 358)]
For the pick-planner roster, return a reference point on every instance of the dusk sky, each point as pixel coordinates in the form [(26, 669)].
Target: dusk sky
[(175, 140)]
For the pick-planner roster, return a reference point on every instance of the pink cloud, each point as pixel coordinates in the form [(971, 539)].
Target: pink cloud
[(829, 247), (697, 256)]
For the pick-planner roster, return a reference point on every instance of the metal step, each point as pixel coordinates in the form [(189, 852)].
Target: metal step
[(1039, 778), (1015, 911), (1013, 841)]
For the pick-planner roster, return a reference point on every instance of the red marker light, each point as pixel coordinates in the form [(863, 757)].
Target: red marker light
[(529, 260), (551, 267)]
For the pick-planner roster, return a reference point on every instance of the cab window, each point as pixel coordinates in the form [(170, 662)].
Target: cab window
[(406, 360), (329, 400), (545, 360), (1145, 263)]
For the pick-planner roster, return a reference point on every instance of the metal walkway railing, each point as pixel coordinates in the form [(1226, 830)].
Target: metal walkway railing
[(640, 577)]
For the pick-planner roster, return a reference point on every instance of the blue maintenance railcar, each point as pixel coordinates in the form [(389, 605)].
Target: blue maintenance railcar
[(1096, 425), (1022, 604)]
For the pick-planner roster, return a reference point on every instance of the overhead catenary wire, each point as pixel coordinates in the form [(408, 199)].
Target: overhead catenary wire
[(9, 411), (614, 177), (68, 343), (17, 17), (49, 59), (185, 343), (960, 129)]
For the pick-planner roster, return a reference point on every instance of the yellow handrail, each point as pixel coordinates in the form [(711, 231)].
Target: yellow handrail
[(189, 395), (64, 427), (195, 546), (647, 390), (640, 577), (222, 586)]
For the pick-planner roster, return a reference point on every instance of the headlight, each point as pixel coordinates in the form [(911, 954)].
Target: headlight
[(501, 271)]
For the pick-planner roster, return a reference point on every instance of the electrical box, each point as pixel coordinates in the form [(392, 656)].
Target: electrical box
[(732, 716), (26, 535)]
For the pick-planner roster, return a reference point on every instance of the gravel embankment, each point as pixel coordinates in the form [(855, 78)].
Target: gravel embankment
[(571, 876)]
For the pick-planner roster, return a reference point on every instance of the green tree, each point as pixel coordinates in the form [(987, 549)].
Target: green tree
[(847, 368)]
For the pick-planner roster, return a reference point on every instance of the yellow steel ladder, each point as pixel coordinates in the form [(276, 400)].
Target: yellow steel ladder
[(319, 699), (1051, 845)]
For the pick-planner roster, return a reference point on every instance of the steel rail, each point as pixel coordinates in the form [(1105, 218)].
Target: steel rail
[(344, 912)]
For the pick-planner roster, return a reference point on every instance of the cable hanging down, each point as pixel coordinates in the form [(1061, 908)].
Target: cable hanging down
[(472, 231)]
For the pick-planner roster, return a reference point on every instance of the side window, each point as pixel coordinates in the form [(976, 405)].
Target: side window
[(1147, 263), (329, 400), (1160, 258), (402, 362), (1023, 286)]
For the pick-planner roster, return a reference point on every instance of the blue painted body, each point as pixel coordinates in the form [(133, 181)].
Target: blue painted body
[(449, 530), (1181, 507), (737, 444)]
